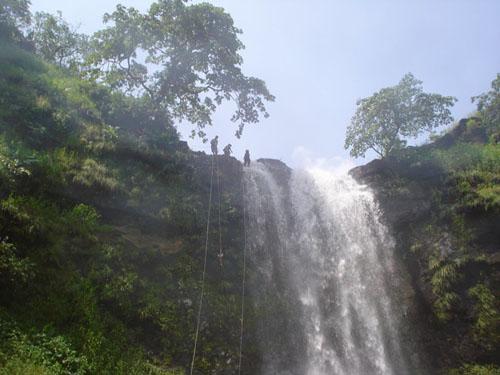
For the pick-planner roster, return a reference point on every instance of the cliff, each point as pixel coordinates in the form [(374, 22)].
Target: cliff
[(102, 230), (447, 235)]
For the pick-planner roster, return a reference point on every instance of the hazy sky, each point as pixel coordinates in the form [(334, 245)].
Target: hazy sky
[(319, 56)]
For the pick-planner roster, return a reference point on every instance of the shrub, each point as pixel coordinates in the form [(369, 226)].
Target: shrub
[(12, 266), (473, 369), (39, 353), (83, 219), (19, 366), (99, 138), (95, 175)]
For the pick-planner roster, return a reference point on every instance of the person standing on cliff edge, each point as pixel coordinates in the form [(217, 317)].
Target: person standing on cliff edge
[(213, 143), (227, 150), (246, 159)]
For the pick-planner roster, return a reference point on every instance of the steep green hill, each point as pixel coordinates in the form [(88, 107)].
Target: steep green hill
[(102, 223)]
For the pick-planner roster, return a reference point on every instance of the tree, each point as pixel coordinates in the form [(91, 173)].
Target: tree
[(385, 120), (56, 40), (488, 106), (14, 15), (184, 58)]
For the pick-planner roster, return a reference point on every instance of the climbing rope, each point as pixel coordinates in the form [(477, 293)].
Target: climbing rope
[(244, 274), (220, 255), (204, 270), (215, 165)]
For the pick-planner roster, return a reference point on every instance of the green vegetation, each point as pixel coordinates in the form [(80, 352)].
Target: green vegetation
[(14, 16), (40, 353), (475, 370), (56, 41), (196, 51), (456, 244), (384, 121), (102, 207)]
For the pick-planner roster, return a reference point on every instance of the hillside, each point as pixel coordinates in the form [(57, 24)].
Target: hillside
[(102, 216), (442, 202)]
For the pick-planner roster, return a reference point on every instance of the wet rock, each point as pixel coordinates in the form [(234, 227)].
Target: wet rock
[(279, 170), (140, 240), (403, 199)]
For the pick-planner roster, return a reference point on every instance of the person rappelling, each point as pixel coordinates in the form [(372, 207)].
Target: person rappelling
[(220, 257), (246, 159), (214, 143), (227, 150)]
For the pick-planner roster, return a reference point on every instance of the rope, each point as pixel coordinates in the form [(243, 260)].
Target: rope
[(244, 276), (204, 270), (221, 253)]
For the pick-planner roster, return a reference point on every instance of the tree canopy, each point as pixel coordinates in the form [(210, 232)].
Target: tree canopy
[(488, 106), (384, 121), (181, 60), (184, 58), (56, 41), (14, 15)]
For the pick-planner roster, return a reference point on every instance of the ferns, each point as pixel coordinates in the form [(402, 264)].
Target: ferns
[(448, 278), (444, 277), (444, 304), (486, 328), (479, 189)]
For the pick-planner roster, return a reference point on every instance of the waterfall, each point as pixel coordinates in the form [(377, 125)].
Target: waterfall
[(324, 275)]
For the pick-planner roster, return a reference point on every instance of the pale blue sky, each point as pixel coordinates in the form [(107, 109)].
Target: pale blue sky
[(318, 57)]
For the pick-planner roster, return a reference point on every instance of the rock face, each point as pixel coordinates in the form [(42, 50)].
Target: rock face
[(280, 170), (405, 199), (430, 224), (402, 202)]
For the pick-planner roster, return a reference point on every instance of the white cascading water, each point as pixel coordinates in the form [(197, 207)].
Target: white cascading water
[(325, 275)]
